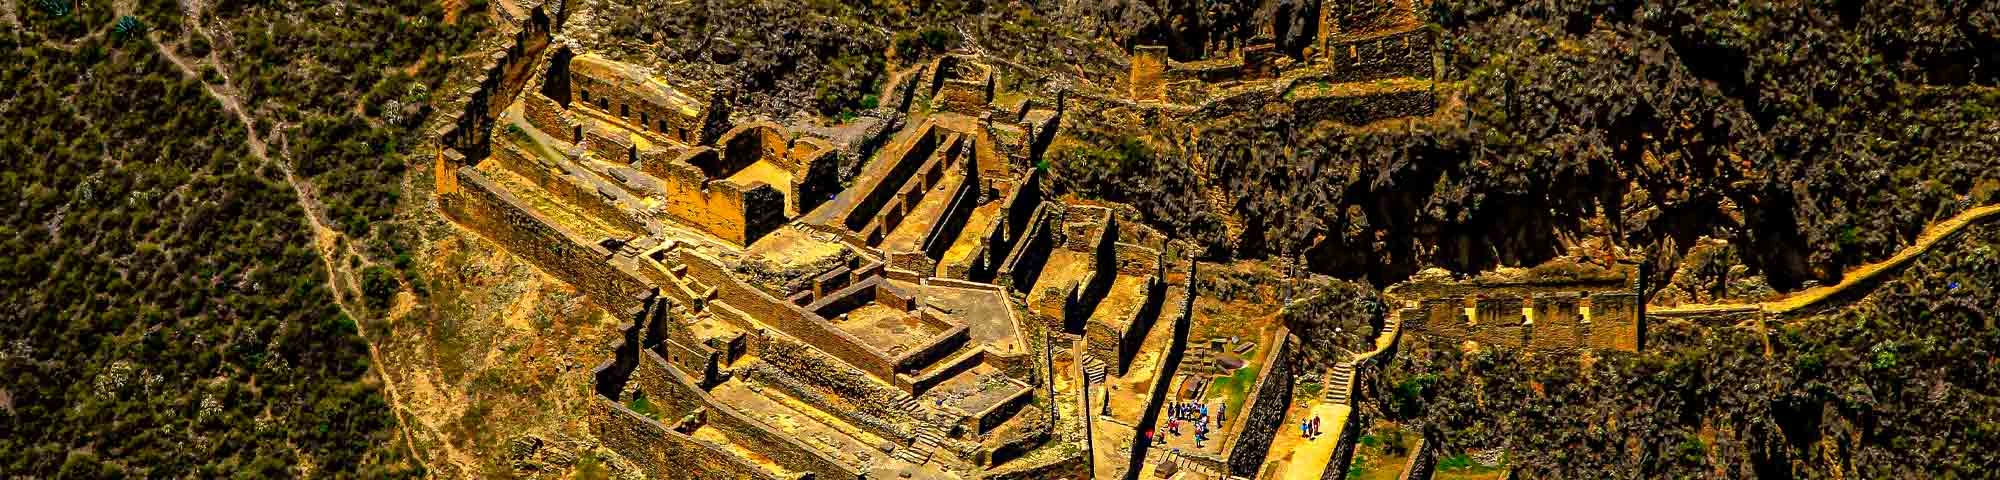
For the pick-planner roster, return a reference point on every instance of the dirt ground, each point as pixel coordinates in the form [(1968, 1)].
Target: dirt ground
[(494, 357)]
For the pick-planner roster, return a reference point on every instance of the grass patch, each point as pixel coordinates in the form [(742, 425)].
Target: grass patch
[(1235, 388), (641, 406)]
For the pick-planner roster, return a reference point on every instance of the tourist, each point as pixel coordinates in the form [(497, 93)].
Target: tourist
[(1315, 426), (1220, 410)]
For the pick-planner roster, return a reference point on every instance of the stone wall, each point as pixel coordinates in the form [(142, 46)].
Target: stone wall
[(609, 143), (1615, 322), (1149, 65), (1030, 252), (1423, 462), (1140, 323), (1164, 371), (1268, 400), (622, 92), (964, 86), (951, 223), (738, 213), (1361, 17), (1014, 442), (817, 178), (877, 192), (551, 118), (787, 318), (661, 452), (1364, 108), (816, 378), (500, 216), (573, 185), (499, 80), (911, 190), (1498, 322), (1557, 325), (677, 395), (1396, 54), (1072, 466), (933, 350), (1343, 450)]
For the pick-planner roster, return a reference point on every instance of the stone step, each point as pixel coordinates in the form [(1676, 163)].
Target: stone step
[(1339, 384), (1095, 369)]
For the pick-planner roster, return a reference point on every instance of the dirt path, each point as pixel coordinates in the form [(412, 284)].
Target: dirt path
[(1861, 275), (327, 242)]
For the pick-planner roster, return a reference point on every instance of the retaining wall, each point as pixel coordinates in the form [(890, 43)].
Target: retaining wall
[(519, 229), (661, 452), (1250, 440)]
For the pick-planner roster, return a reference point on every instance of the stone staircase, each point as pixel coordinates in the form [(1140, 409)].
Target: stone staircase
[(907, 403), (1184, 463), (1095, 369), (922, 448), (1339, 384), (1392, 325)]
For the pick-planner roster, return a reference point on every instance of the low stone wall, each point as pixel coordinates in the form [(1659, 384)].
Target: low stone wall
[(1075, 465), (677, 395), (551, 118), (920, 382), (661, 452), (983, 421), (696, 358), (1013, 444), (519, 229), (609, 143), (1423, 462), (1269, 398)]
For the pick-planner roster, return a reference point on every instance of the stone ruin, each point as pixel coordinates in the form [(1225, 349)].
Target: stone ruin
[(911, 311), (1556, 322), (1369, 60), (909, 304)]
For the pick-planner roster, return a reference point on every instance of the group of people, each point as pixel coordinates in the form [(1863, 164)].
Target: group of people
[(1194, 414), (1309, 427)]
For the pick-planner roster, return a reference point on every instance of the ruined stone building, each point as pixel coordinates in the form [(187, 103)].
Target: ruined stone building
[(781, 324), (896, 297)]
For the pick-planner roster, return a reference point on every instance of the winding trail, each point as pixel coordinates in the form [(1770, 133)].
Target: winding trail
[(1861, 275), (326, 240)]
